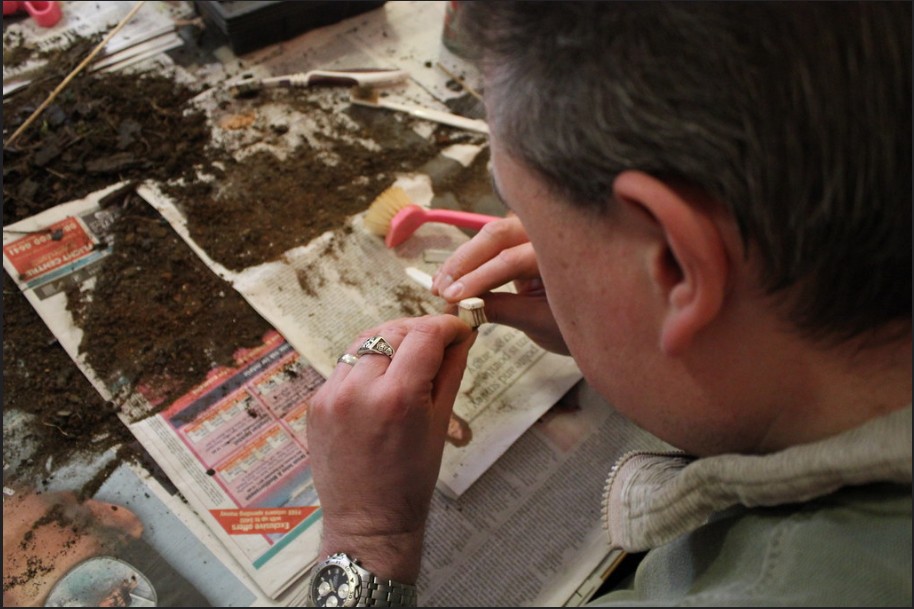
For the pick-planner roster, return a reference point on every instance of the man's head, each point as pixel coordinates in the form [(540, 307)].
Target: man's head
[(727, 181), (796, 117)]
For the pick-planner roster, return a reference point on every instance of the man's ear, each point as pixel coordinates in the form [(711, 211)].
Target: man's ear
[(690, 265)]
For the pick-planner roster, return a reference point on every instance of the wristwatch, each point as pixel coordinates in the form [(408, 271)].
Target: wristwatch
[(339, 581)]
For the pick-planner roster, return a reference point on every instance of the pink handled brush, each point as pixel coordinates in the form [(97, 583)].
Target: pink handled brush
[(393, 216)]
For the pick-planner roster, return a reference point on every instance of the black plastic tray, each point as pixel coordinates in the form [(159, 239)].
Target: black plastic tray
[(251, 25)]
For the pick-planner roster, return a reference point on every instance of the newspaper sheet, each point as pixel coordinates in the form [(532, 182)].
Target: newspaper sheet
[(510, 381), (529, 532), (248, 476), (234, 445), (320, 296)]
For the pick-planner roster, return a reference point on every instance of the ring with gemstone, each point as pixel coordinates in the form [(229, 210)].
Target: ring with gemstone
[(376, 344)]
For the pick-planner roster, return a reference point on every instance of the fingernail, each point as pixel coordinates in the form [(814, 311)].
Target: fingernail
[(441, 282), (453, 291)]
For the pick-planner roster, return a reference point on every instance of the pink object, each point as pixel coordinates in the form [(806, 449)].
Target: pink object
[(411, 217), (45, 14)]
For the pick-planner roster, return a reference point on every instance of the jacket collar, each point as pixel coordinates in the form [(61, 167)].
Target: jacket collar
[(652, 498)]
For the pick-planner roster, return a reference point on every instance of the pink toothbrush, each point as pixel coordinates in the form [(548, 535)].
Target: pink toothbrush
[(393, 216)]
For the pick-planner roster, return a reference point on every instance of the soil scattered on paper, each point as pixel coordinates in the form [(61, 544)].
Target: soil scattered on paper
[(158, 317), (194, 320), (99, 131)]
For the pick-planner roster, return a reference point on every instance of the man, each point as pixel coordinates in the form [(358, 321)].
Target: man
[(711, 209)]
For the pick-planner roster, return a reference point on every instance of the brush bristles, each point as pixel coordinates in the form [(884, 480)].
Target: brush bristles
[(383, 209)]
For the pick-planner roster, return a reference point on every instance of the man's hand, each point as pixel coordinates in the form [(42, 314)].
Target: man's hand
[(499, 253), (376, 433)]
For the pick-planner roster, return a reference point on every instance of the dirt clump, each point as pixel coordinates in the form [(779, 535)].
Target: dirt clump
[(100, 130)]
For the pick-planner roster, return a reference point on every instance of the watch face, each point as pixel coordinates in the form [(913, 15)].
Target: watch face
[(334, 586)]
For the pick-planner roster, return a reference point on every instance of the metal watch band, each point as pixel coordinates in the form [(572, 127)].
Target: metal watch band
[(386, 593)]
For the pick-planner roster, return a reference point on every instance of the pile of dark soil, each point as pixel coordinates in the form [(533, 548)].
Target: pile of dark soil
[(157, 317), (100, 130)]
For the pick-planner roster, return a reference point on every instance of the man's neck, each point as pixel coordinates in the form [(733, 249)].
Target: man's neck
[(846, 386)]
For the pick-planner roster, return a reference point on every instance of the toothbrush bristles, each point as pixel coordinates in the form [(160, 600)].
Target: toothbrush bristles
[(383, 209)]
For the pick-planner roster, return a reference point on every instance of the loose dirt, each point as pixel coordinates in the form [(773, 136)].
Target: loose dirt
[(104, 129)]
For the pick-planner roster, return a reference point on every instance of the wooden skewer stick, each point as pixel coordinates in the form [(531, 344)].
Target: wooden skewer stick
[(460, 82), (72, 75)]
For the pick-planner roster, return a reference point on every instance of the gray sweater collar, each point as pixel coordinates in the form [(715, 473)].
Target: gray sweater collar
[(652, 498)]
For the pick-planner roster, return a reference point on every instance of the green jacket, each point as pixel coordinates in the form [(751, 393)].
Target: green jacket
[(826, 523)]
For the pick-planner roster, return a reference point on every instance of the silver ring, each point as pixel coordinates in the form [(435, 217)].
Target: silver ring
[(347, 358), (376, 344)]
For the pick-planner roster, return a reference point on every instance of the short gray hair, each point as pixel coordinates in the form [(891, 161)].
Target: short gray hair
[(796, 116)]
